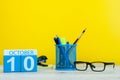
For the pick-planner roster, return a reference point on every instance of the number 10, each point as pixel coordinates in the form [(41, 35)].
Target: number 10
[(12, 61)]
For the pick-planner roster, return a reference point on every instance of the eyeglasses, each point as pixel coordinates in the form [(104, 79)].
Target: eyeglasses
[(97, 66)]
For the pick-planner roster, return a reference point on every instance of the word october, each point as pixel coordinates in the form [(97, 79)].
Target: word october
[(21, 52), (20, 61)]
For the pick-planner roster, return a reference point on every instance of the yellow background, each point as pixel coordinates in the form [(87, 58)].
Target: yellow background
[(32, 24)]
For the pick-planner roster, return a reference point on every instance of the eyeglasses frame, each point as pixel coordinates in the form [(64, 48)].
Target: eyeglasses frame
[(92, 66)]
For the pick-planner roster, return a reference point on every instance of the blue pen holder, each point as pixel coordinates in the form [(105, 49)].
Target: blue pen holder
[(65, 56)]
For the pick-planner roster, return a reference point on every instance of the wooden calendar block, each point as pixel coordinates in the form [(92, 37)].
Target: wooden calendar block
[(20, 60), (11, 63), (29, 62)]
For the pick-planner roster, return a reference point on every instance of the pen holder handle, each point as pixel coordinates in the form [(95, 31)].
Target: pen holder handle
[(65, 56)]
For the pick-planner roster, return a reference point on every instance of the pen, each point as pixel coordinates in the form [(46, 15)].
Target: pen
[(57, 40)]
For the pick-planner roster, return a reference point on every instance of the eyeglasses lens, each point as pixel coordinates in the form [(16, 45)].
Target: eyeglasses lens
[(81, 66), (98, 66)]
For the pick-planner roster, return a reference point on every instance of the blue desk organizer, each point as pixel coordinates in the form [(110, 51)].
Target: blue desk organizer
[(65, 56)]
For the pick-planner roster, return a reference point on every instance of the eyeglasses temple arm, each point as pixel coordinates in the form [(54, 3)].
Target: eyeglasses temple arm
[(111, 64)]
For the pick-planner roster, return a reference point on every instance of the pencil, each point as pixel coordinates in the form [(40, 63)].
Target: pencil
[(76, 40), (79, 36)]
